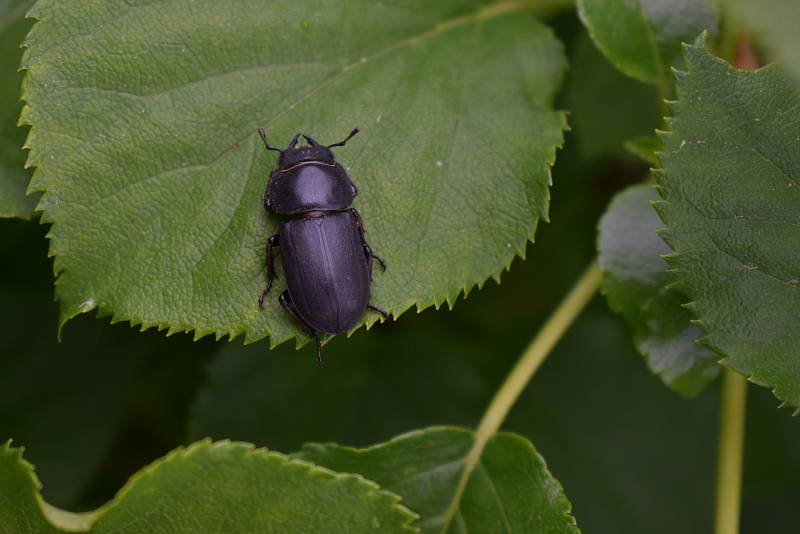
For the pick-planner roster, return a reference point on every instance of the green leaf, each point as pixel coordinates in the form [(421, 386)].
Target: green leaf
[(635, 283), (775, 22), (606, 107), (211, 487), (731, 190), (13, 176), (510, 489), (642, 37), (144, 137)]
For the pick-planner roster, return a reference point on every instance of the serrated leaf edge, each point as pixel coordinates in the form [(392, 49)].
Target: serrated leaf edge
[(248, 450)]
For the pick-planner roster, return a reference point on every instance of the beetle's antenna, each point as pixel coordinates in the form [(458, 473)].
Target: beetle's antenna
[(266, 144), (310, 140), (346, 139), (293, 142)]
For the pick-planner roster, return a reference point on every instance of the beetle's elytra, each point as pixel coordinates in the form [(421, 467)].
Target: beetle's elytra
[(325, 257)]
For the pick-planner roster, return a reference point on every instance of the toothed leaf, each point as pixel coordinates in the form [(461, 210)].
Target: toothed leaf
[(212, 487), (144, 119), (635, 283), (775, 23), (13, 177), (510, 489), (731, 191), (642, 38)]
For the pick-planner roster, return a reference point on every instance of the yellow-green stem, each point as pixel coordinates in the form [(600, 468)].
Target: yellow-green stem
[(536, 352), (733, 408)]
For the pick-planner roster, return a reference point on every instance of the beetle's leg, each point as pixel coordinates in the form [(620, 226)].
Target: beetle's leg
[(367, 249), (271, 274), (286, 301), (346, 139), (293, 142), (267, 201), (378, 310)]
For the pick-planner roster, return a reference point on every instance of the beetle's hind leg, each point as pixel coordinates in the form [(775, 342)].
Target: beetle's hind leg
[(367, 249), (272, 242), (286, 301), (378, 259)]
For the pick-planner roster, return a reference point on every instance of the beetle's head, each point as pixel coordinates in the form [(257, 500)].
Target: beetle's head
[(294, 155), (313, 151)]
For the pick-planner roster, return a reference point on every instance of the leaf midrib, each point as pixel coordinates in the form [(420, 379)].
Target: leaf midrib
[(484, 13)]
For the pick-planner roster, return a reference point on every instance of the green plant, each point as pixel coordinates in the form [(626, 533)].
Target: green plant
[(141, 125)]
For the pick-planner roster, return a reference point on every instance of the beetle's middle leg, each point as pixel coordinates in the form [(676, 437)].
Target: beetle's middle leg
[(286, 301), (367, 249), (272, 242)]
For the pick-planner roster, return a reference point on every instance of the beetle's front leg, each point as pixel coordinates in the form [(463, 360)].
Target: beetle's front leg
[(367, 249), (272, 242), (267, 200)]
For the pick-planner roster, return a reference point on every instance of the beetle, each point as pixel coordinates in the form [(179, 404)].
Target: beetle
[(325, 256)]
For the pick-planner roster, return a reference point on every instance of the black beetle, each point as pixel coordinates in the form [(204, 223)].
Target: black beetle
[(325, 257)]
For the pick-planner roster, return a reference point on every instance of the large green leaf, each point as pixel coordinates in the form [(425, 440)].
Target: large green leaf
[(775, 23), (211, 487), (13, 177), (642, 37), (731, 190), (635, 283), (510, 489), (144, 137)]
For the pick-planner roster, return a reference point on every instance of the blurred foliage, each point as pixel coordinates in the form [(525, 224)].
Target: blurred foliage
[(636, 285), (95, 407), (510, 489), (606, 107), (643, 38)]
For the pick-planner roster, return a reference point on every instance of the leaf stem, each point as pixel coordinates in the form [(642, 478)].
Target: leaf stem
[(536, 352), (731, 448)]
